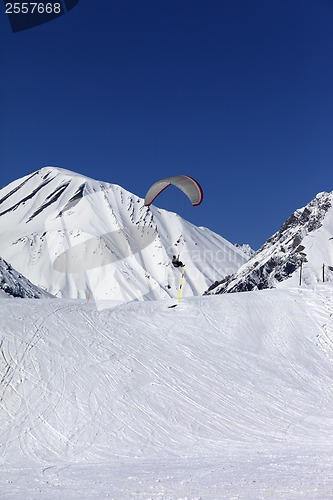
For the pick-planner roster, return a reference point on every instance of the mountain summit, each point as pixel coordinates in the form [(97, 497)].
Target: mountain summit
[(75, 237), (301, 251)]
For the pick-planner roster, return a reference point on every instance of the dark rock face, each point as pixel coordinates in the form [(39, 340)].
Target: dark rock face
[(16, 285)]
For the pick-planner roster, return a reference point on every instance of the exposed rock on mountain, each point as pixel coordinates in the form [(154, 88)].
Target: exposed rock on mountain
[(13, 284), (300, 252)]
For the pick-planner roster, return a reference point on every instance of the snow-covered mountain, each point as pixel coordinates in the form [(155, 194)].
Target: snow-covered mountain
[(300, 252), (246, 248), (13, 284), (77, 237)]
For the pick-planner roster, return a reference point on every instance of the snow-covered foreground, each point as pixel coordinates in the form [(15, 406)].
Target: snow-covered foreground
[(227, 396)]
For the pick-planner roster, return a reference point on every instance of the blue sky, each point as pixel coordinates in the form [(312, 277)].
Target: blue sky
[(236, 93)]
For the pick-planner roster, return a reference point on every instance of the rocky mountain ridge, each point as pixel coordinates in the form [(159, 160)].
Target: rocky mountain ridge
[(299, 252)]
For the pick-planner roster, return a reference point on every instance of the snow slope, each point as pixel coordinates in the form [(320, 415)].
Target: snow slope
[(75, 236), (301, 251), (226, 396)]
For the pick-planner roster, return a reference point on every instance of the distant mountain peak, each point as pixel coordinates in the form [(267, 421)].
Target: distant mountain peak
[(59, 171), (303, 240), (304, 220), (246, 248)]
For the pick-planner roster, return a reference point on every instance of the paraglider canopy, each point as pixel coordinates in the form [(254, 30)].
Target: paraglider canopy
[(187, 184)]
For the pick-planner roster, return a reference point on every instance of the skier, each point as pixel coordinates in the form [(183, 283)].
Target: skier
[(176, 262)]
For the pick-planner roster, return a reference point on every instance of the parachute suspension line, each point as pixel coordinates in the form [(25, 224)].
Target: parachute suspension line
[(181, 284)]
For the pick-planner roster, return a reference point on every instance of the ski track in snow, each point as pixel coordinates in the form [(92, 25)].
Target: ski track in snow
[(323, 313), (226, 396)]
